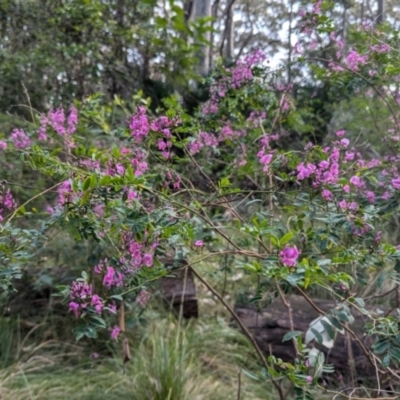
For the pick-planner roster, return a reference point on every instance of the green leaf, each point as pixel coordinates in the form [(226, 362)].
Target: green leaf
[(381, 346), (342, 316), (291, 335), (359, 301), (317, 335), (224, 183), (93, 181), (250, 375), (335, 322), (21, 210), (105, 180), (274, 240), (328, 328), (286, 238), (85, 198), (97, 321), (86, 183), (386, 360)]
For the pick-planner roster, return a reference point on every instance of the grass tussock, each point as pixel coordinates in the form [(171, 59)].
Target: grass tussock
[(169, 362)]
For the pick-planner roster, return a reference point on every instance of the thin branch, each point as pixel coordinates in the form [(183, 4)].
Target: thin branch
[(242, 326)]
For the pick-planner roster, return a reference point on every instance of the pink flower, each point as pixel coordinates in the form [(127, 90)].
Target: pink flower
[(147, 260), (370, 196), (304, 171), (3, 145), (72, 120), (112, 278), (199, 243), (57, 121), (349, 156), (355, 180), (20, 139), (345, 142), (74, 307), (131, 195), (115, 332), (323, 164), (327, 194), (346, 188), (343, 204), (340, 133), (142, 298), (139, 124), (396, 183), (289, 256), (309, 379), (97, 303), (354, 60)]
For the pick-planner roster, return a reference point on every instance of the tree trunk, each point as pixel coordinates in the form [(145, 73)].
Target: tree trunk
[(202, 9), (380, 18), (230, 35)]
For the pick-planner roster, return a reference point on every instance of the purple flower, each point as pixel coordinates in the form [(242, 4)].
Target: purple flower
[(327, 194), (289, 256), (142, 298), (3, 145), (355, 180), (396, 183), (354, 60), (97, 303), (115, 332), (309, 379), (57, 121), (345, 142), (131, 195), (139, 124), (370, 196), (349, 156), (340, 133), (113, 308), (112, 278), (72, 121), (199, 243), (304, 171), (147, 260), (74, 307), (20, 139), (323, 164)]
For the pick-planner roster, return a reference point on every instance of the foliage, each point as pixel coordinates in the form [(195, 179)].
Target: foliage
[(220, 182), (114, 47)]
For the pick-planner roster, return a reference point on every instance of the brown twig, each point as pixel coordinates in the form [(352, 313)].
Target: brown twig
[(243, 327)]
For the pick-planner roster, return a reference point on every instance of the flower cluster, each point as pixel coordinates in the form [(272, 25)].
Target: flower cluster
[(7, 203), (20, 139), (236, 78), (62, 125), (82, 299), (139, 124)]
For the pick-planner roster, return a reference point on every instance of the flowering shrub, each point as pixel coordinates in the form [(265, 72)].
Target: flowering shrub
[(322, 215)]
